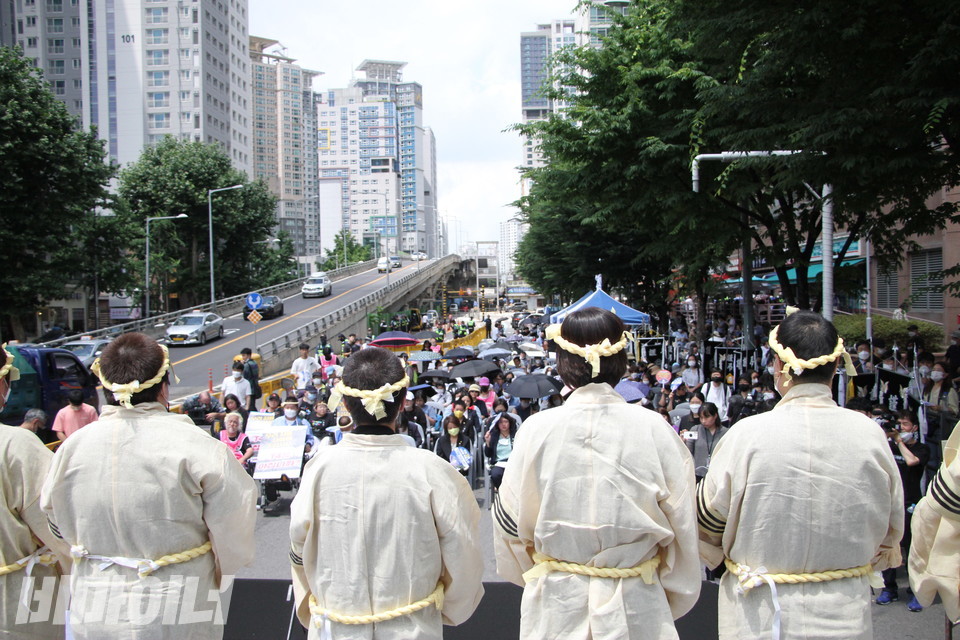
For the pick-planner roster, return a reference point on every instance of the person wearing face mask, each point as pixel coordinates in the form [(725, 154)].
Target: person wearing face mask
[(806, 488), (911, 457), (864, 360), (702, 438), (719, 394), (692, 419), (742, 403), (237, 385), (693, 374), (941, 404), (525, 409), (24, 534), (141, 486), (453, 437)]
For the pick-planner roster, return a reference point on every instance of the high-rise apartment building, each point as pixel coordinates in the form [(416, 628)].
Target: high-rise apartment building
[(50, 32), (371, 138), (142, 69), (284, 140), (511, 233)]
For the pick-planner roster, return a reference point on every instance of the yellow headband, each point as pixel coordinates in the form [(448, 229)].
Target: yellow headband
[(791, 363), (591, 352), (123, 392), (372, 399), (8, 369)]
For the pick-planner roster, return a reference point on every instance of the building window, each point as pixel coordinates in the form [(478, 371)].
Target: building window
[(158, 78), (55, 46), (888, 289), (54, 6), (59, 87), (158, 99), (158, 57), (925, 292), (54, 25), (56, 67), (157, 36), (156, 15), (158, 120)]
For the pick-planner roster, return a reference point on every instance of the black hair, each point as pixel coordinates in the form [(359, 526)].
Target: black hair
[(810, 335), (237, 365), (129, 357), (75, 397), (591, 326), (246, 351), (709, 409), (907, 414), (304, 346), (859, 404), (232, 396), (369, 369)]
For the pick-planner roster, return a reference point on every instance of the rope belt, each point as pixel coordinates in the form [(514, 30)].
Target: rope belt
[(322, 617), (40, 556), (544, 564), (144, 566), (748, 578)]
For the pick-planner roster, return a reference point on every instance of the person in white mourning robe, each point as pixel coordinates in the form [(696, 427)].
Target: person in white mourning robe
[(384, 536), (31, 557), (803, 503), (155, 511), (595, 516)]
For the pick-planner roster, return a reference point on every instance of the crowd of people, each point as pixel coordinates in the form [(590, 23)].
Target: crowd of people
[(617, 484)]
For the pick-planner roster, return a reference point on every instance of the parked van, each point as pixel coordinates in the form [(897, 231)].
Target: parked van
[(47, 375)]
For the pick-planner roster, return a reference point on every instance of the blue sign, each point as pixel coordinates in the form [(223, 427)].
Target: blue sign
[(254, 300)]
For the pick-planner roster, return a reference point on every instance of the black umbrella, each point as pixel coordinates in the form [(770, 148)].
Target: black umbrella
[(435, 373), (473, 369), (535, 385), (503, 344), (458, 352), (426, 389), (532, 319)]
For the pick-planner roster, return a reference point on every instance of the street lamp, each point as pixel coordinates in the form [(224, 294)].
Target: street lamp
[(210, 193), (146, 288)]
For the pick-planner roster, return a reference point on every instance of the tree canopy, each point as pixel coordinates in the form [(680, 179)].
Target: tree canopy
[(857, 89), (174, 177), (55, 177), (355, 252)]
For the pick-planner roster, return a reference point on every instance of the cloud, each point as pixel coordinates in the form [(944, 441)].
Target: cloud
[(467, 57)]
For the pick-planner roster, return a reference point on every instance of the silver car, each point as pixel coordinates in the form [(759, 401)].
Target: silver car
[(317, 285), (88, 349), (195, 327)]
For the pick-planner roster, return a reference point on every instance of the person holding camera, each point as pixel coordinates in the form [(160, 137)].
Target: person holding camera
[(911, 457), (701, 438), (743, 403)]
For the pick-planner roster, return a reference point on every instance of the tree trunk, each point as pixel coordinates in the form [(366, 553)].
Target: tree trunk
[(16, 324)]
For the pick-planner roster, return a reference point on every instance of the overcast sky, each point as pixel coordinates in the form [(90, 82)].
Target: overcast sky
[(467, 57)]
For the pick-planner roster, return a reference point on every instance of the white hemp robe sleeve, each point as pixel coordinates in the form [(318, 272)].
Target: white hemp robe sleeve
[(375, 526), (805, 488), (935, 548), (601, 483), (23, 529), (142, 483)]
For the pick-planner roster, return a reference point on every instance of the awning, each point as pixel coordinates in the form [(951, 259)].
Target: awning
[(814, 271)]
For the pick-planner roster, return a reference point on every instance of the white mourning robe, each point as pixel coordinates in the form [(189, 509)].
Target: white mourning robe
[(375, 525), (23, 529), (144, 483), (804, 488), (602, 483), (935, 548)]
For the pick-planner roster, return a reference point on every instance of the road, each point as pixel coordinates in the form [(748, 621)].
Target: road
[(192, 364)]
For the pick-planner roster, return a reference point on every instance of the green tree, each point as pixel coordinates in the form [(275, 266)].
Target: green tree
[(55, 176), (355, 252), (174, 177)]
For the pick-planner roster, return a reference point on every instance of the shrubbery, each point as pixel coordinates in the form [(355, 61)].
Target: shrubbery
[(853, 328)]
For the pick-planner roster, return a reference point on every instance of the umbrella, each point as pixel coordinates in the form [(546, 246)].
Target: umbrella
[(629, 390), (495, 353), (515, 337), (473, 369), (486, 343), (425, 389), (534, 385), (394, 339), (434, 373), (425, 335), (535, 353), (423, 356), (532, 319), (458, 352), (529, 346)]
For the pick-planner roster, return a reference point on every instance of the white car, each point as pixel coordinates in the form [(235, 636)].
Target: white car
[(419, 255), (383, 265), (317, 286), (195, 327)]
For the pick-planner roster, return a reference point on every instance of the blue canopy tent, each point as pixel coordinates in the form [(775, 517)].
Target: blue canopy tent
[(600, 299)]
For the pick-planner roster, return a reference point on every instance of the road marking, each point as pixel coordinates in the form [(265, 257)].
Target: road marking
[(284, 319)]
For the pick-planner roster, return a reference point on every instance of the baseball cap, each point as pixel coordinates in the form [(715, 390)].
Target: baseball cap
[(484, 382)]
